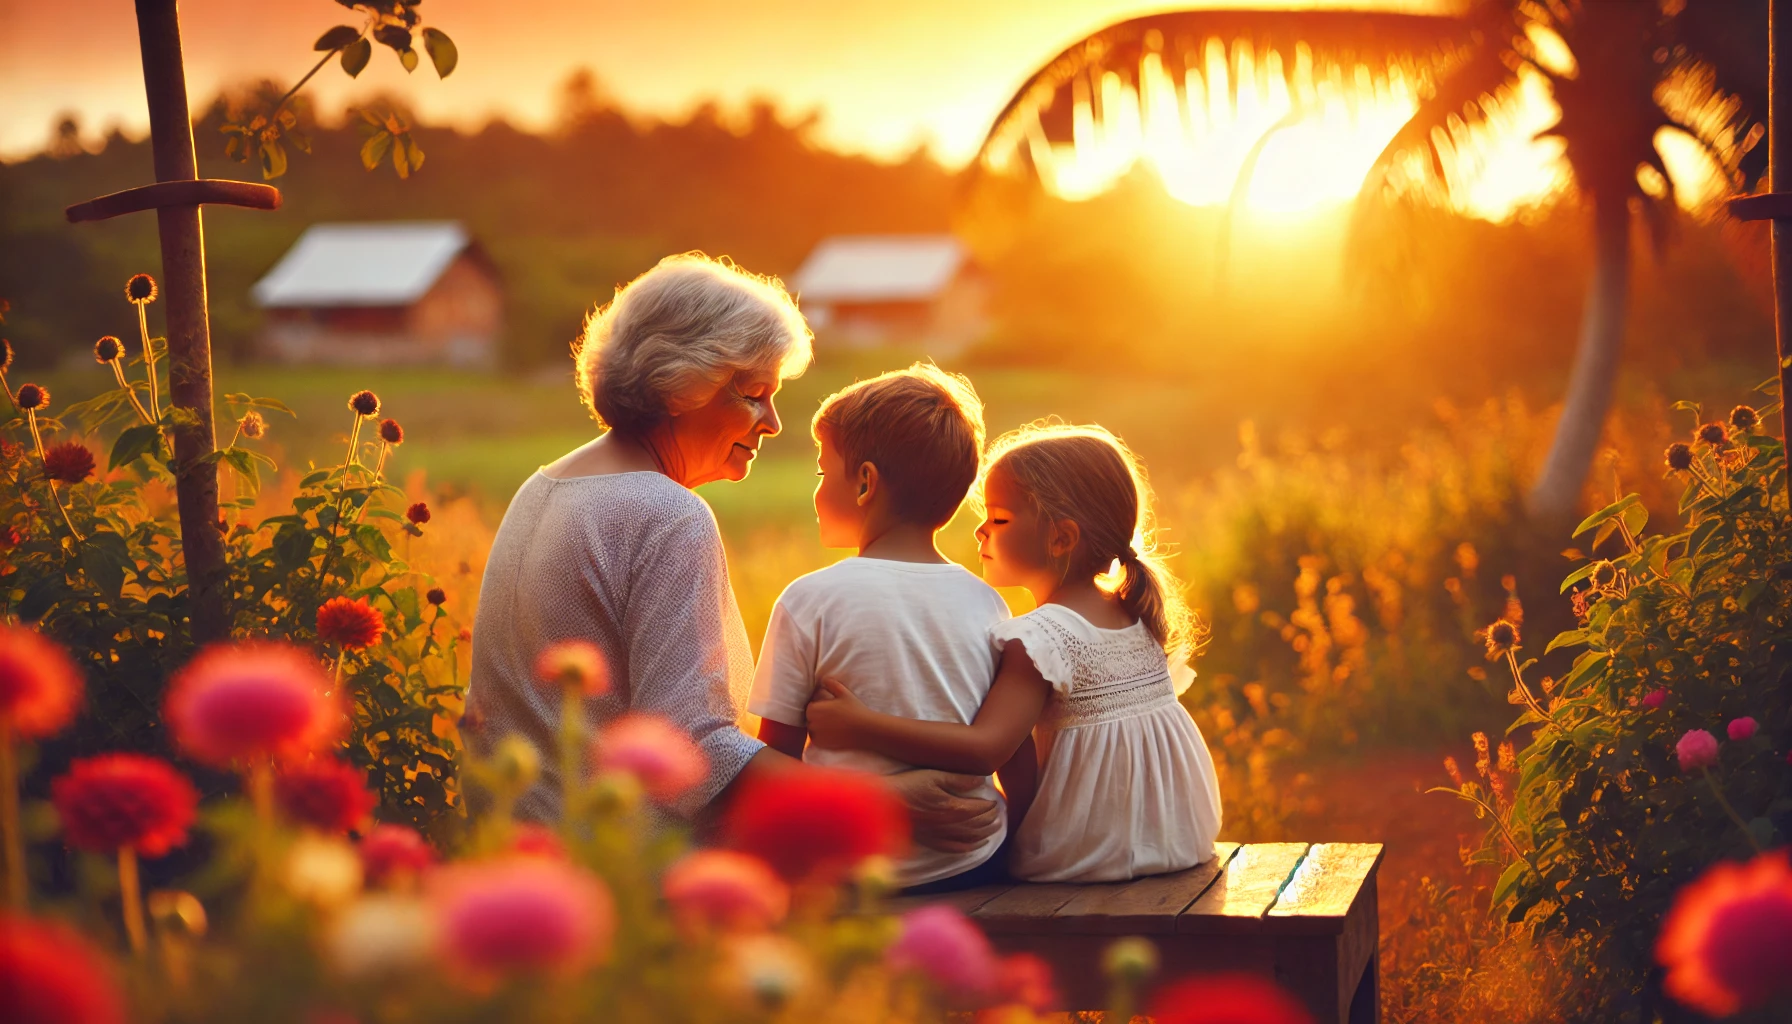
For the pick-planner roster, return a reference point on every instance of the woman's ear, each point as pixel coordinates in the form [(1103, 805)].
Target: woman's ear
[(1063, 538), (867, 483)]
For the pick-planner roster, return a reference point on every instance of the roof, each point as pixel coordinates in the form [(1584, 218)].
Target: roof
[(389, 264), (879, 268)]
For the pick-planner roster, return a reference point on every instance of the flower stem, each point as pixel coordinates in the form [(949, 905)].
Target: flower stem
[(341, 653), (9, 820), (55, 495), (130, 892), (1525, 691), (572, 735), (149, 361), (1717, 791), (130, 392), (354, 437)]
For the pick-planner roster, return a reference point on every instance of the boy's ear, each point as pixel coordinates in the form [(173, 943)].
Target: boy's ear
[(1064, 537), (867, 482)]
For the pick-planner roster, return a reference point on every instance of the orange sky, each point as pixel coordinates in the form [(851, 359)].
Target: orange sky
[(885, 76)]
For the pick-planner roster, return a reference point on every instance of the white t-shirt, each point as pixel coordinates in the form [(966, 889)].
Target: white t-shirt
[(909, 639)]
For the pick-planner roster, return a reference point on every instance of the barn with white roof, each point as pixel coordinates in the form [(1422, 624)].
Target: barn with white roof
[(871, 290), (418, 292)]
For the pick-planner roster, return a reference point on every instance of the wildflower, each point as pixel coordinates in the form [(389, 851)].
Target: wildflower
[(323, 870), (107, 349), (1655, 698), (1501, 638), (391, 432), (40, 688), (1130, 960), (1727, 938), (1742, 728), (659, 754), (5, 355), (1027, 980), (1697, 749), (1481, 759), (574, 664), (326, 794), (50, 974), (724, 890), (529, 839), (140, 289), (381, 934), (770, 969), (349, 623), (1679, 456), (364, 403), (1455, 771), (1508, 758), (391, 852), (252, 426), (942, 944), (113, 801), (1227, 999), (515, 764), (234, 703), (69, 462), (32, 397), (523, 915), (436, 596), (816, 823), (1714, 434), (417, 514), (1605, 574), (1744, 418), (1581, 603)]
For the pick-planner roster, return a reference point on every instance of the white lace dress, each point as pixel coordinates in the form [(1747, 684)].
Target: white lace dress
[(1126, 785)]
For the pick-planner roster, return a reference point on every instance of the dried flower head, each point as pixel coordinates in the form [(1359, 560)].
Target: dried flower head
[(417, 514), (40, 687), (69, 462), (51, 974), (817, 823), (252, 426), (1744, 418), (1508, 758), (522, 915), (32, 397), (115, 801), (574, 663), (940, 943), (436, 596), (249, 701), (107, 349), (660, 755), (1714, 434), (1454, 771), (391, 852), (349, 623), (364, 403), (723, 890), (1240, 998), (5, 355), (391, 432), (1727, 939), (1679, 456), (140, 289), (1501, 637), (325, 793), (1697, 749)]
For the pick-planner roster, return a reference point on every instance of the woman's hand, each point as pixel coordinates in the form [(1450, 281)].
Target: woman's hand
[(833, 714)]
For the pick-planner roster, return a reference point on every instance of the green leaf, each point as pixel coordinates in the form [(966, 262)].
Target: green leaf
[(243, 461), (374, 150), (1577, 575), (408, 57), (274, 404), (1616, 508), (400, 162), (336, 38), (133, 444), (292, 547), (1567, 639), (355, 56), (104, 558), (414, 151), (1508, 878), (442, 52), (372, 540)]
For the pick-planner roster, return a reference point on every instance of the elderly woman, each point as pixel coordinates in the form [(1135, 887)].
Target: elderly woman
[(610, 544)]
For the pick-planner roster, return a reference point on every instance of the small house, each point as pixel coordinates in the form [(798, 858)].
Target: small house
[(419, 292), (872, 290)]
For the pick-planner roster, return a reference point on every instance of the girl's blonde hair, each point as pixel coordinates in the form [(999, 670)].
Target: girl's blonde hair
[(1087, 475)]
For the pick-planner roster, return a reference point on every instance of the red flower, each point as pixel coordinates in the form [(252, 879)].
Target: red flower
[(817, 823), (532, 840), (576, 663), (418, 514), (724, 890), (234, 703), (327, 794), (350, 623), (522, 915), (1742, 728), (1655, 698), (393, 851), (1727, 939), (50, 975), (69, 462), (391, 432), (1227, 999), (1697, 749), (1026, 979), (40, 688), (113, 801), (660, 755)]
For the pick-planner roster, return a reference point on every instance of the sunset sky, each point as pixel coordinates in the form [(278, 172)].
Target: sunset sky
[(885, 77)]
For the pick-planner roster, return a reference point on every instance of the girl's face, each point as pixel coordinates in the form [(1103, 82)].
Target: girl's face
[(719, 439), (1016, 542)]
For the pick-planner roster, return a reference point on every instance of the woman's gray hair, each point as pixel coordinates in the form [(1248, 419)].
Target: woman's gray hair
[(676, 333)]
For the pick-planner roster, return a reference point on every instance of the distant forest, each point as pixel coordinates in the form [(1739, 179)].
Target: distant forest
[(566, 215)]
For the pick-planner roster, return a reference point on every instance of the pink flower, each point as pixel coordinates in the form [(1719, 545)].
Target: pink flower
[(245, 701), (40, 687), (653, 750), (1742, 728), (532, 840), (725, 890), (523, 915), (941, 943), (51, 975), (393, 851), (1227, 999), (1655, 698), (574, 663), (1727, 939), (1697, 749)]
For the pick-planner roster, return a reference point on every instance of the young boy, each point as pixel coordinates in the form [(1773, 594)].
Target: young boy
[(904, 628)]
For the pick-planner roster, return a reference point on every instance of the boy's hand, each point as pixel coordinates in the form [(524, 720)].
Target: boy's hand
[(832, 713)]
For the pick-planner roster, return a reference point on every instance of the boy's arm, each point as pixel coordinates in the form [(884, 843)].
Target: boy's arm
[(837, 719), (1020, 781), (785, 739)]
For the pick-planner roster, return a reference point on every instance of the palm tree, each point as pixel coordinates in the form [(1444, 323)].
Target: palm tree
[(1621, 71)]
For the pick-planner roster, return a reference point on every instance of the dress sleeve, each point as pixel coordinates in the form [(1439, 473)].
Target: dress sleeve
[(1042, 644), (785, 676), (683, 629)]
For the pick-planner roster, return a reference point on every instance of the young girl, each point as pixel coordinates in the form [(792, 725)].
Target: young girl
[(1126, 786)]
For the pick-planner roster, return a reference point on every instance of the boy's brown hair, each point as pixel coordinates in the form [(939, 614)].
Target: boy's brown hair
[(921, 427)]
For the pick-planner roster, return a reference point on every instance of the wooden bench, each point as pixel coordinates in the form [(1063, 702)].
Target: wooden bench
[(1304, 914)]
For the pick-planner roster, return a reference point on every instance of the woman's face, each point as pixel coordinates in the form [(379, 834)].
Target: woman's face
[(719, 439)]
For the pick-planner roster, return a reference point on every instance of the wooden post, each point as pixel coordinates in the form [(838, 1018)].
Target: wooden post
[(189, 333), (1779, 180)]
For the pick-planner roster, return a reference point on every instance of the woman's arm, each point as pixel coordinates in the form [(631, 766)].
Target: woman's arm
[(837, 719)]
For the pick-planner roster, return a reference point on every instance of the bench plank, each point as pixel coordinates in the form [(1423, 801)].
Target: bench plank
[(1024, 908), (965, 900), (1145, 906), (1241, 896), (1327, 883)]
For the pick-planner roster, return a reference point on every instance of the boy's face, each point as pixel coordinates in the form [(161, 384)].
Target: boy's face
[(837, 508)]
